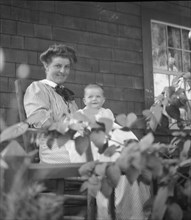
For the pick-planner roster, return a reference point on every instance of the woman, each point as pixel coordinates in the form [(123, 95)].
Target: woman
[(45, 105), (47, 101)]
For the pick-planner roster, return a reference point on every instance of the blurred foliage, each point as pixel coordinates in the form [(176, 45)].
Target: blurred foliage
[(26, 201), (169, 165), (172, 108)]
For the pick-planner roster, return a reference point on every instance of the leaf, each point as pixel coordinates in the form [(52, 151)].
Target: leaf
[(110, 150), (173, 145), (60, 126), (98, 138), (132, 174), (106, 188), (127, 142), (82, 143), (170, 91), (87, 168), (146, 141), (131, 118), (94, 188), (159, 98), (122, 161), (13, 149), (139, 124), (113, 173), (84, 186), (63, 139), (121, 136), (51, 137), (173, 212), (150, 119), (94, 180), (187, 189), (147, 113), (185, 163), (173, 111), (93, 185), (77, 126), (159, 206), (146, 176), (182, 96), (100, 169), (176, 80), (137, 160), (126, 121), (121, 119), (157, 112), (154, 164), (153, 123), (13, 131), (3, 164), (103, 149), (108, 124), (50, 141), (185, 150)]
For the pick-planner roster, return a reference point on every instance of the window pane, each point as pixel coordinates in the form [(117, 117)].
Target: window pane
[(158, 35), (171, 51), (159, 58), (159, 46), (186, 43), (174, 60), (186, 61), (174, 37), (160, 82)]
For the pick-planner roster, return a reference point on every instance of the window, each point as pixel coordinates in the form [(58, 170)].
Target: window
[(171, 55)]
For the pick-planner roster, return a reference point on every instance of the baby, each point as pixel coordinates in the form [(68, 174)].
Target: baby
[(128, 197), (94, 100)]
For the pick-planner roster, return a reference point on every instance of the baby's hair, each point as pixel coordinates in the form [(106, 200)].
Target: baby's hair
[(58, 50), (93, 86)]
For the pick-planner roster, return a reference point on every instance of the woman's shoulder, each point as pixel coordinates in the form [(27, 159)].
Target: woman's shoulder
[(36, 88), (37, 85)]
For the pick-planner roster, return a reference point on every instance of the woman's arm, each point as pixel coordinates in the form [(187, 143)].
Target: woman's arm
[(37, 106)]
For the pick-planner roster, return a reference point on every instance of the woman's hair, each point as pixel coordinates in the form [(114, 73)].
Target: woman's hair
[(93, 86), (58, 50)]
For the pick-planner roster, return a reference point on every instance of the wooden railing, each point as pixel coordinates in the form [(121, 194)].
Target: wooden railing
[(55, 176)]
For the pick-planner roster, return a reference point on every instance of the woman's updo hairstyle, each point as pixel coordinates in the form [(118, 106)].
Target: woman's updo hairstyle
[(58, 50)]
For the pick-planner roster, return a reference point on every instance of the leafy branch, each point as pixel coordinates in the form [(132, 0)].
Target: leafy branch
[(138, 160)]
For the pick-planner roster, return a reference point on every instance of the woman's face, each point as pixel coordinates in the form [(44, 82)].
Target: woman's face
[(58, 70)]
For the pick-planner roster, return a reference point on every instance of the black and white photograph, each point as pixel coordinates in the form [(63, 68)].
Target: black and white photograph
[(95, 110)]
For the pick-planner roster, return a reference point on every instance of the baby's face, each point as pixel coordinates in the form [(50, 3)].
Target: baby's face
[(94, 98)]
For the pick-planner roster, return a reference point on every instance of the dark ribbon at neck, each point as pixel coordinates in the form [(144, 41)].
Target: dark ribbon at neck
[(67, 94)]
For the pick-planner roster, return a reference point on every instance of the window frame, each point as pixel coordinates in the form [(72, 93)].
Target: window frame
[(148, 15)]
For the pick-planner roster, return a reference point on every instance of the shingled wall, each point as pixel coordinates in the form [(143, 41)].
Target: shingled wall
[(106, 36)]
